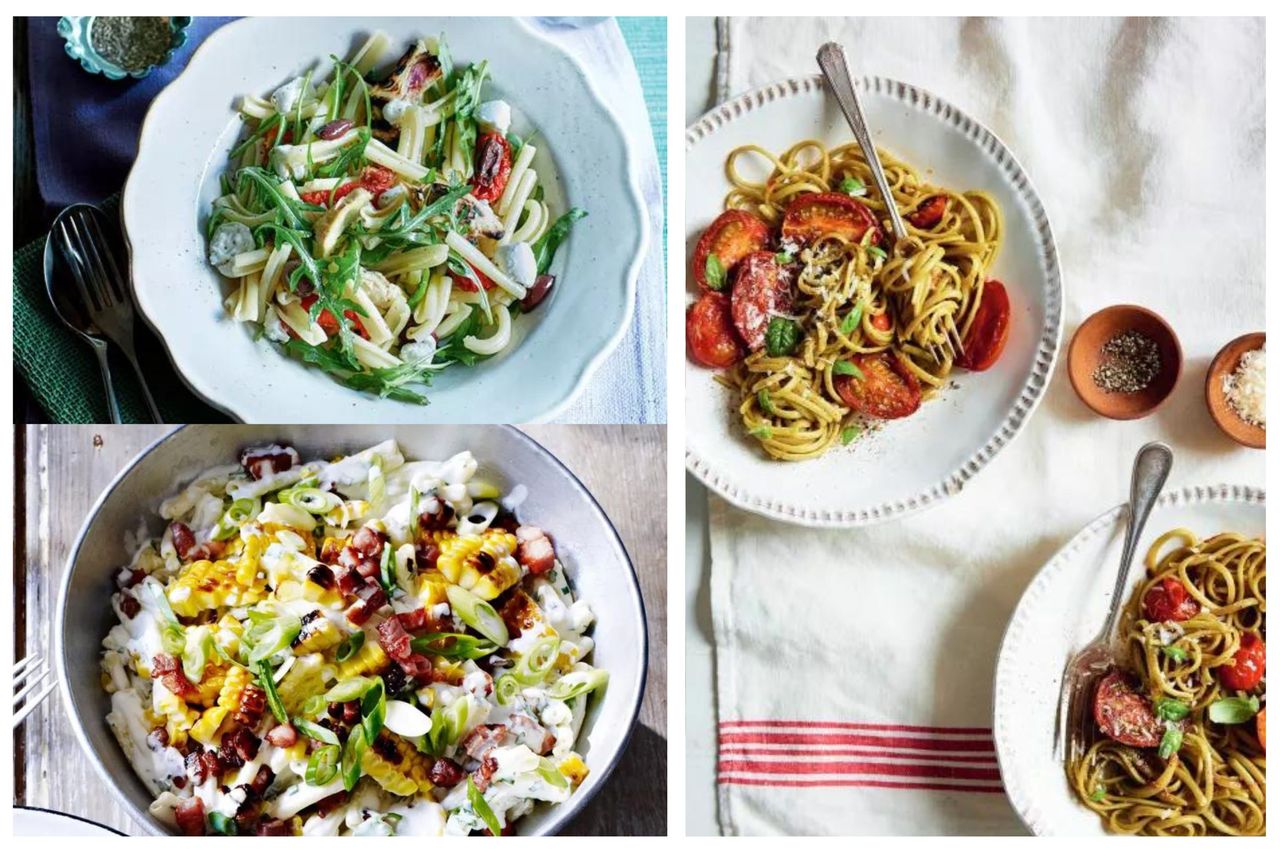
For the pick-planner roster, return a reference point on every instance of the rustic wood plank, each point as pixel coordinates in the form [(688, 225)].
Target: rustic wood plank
[(67, 466)]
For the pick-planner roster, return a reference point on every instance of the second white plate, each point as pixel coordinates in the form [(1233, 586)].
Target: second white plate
[(915, 462)]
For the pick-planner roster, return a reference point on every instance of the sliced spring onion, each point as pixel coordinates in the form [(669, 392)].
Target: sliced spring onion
[(196, 651), (240, 511), (352, 752), (349, 690), (1171, 742), (537, 662), (481, 808), (448, 724), (548, 771), (314, 706), (505, 689), (377, 482), (173, 638), (454, 646), (373, 707), (386, 570), (414, 496), (478, 614), (222, 824), (267, 638), (323, 765), (314, 501), (315, 732), (578, 683), (349, 647), (267, 678), (406, 719)]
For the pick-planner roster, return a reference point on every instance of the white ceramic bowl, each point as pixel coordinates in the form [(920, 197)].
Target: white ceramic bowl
[(912, 463), (583, 157), (1058, 615), (594, 557)]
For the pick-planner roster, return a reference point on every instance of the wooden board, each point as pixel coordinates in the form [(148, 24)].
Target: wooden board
[(61, 470)]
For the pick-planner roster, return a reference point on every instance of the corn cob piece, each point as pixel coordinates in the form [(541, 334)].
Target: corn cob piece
[(318, 634), (371, 659), (303, 680), (433, 588), (407, 775), (483, 564), (234, 684), (208, 688), (170, 707), (573, 768), (248, 564), (210, 586)]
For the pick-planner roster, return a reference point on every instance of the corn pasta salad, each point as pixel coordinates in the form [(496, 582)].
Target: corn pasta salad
[(385, 226), (361, 646)]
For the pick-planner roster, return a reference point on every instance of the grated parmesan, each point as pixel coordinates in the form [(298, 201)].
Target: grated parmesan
[(1246, 387)]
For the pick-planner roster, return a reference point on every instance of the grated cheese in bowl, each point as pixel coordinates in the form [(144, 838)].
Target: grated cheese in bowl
[(1246, 387)]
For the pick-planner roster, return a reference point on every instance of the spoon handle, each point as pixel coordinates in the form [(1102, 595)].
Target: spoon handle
[(113, 404), (836, 70), (1150, 469)]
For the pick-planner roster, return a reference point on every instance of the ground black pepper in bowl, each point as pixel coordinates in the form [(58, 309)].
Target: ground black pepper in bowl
[(131, 43), (1130, 363)]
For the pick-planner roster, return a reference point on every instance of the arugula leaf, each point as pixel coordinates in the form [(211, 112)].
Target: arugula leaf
[(350, 160), (544, 248)]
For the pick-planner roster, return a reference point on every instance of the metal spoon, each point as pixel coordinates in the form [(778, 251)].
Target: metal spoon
[(71, 310)]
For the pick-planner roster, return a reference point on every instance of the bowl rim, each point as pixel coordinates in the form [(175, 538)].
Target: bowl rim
[(144, 817), (1125, 308)]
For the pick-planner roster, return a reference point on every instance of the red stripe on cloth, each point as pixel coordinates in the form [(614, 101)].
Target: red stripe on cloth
[(870, 768), (859, 753), (784, 738), (857, 783), (870, 727)]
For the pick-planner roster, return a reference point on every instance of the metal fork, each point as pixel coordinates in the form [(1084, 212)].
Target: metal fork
[(832, 62), (35, 674), (103, 291), (1070, 737)]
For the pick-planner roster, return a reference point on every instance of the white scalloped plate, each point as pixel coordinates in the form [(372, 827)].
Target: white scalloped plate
[(906, 465), (1059, 613), (182, 150)]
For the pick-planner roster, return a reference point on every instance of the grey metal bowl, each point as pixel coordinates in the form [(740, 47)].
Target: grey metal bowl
[(595, 558)]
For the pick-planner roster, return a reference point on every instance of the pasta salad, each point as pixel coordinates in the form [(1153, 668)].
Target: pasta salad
[(362, 646), (385, 227)]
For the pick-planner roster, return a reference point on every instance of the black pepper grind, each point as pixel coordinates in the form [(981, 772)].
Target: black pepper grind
[(1130, 363)]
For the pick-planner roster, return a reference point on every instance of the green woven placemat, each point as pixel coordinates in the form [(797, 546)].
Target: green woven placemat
[(61, 371)]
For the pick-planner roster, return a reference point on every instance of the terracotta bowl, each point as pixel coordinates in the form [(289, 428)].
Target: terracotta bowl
[(1224, 364), (1085, 355)]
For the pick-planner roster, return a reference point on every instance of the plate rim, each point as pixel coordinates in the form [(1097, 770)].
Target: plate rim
[(589, 364), (1046, 353), (1186, 496)]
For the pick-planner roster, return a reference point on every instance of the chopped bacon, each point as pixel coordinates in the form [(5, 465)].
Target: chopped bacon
[(369, 542), (483, 774), (189, 815), (445, 773), (273, 826), (128, 578), (385, 748), (211, 550), (369, 598), (426, 555), (262, 780), (203, 765), (259, 462), (437, 519), (348, 580), (184, 541), (332, 803), (158, 738), (283, 735), (482, 739), (531, 733), (535, 551), (417, 666), (369, 568), (330, 550), (239, 746), (129, 605), (253, 703), (395, 640), (348, 558), (419, 620), (169, 669)]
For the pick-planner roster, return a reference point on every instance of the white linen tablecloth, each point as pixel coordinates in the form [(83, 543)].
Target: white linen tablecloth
[(854, 668), (630, 386)]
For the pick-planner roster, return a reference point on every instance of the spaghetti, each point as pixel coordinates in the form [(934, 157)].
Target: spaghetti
[(852, 299), (1200, 672)]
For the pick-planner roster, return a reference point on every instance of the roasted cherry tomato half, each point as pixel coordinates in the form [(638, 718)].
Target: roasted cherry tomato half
[(1168, 601), (990, 330), (882, 321), (734, 235), (493, 167), (760, 291), (1249, 667), (463, 283), (329, 323), (884, 387), (1125, 715), (816, 215), (709, 329), (1261, 721), (929, 213)]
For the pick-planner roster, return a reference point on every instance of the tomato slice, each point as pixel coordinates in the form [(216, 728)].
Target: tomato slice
[(493, 167), (990, 330), (1262, 728), (734, 235), (317, 197), (464, 283), (882, 321), (885, 389), (1125, 715), (816, 215), (329, 323), (1249, 667), (710, 333), (1168, 601), (929, 213), (759, 293)]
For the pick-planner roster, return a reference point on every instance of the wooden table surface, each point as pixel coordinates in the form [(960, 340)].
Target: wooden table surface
[(61, 469)]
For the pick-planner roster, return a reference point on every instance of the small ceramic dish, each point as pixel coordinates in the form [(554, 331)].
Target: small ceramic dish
[(1223, 365), (1085, 355), (74, 29)]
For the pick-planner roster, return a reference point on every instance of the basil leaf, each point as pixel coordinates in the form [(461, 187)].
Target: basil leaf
[(1171, 742), (781, 337), (1172, 710), (783, 257), (1174, 653), (877, 252), (852, 186), (848, 434), (1098, 795), (714, 273), (763, 433), (1233, 710), (846, 368), (851, 320), (766, 402)]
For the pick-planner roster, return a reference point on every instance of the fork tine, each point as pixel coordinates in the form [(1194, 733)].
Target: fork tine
[(97, 272), (99, 238), (76, 261), (21, 666), (32, 685), (953, 335), (24, 712)]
